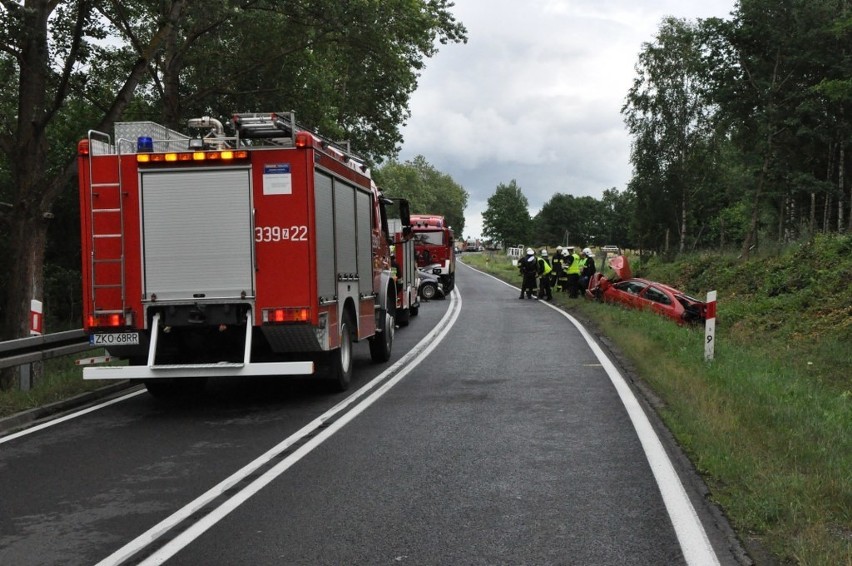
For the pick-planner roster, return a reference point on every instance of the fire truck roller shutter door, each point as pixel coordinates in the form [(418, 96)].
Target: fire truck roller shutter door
[(365, 236), (324, 236), (346, 238), (345, 246), (206, 252)]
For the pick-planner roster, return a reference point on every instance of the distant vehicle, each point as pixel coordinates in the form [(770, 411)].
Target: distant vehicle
[(640, 293), (430, 284), (434, 244)]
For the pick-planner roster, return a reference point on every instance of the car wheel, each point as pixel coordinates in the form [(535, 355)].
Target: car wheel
[(428, 291)]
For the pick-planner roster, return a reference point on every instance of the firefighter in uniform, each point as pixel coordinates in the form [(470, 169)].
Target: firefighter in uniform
[(567, 258), (528, 266), (556, 276), (587, 268), (573, 272), (544, 270)]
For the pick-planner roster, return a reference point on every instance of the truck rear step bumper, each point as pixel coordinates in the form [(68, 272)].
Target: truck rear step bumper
[(221, 369)]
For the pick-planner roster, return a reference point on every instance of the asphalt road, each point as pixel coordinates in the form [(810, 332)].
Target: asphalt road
[(496, 435)]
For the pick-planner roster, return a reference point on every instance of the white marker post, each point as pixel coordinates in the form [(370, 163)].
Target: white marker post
[(710, 327), (36, 318)]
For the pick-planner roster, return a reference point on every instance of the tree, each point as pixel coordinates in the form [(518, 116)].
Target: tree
[(768, 65), (667, 111), (428, 190), (617, 211), (46, 46), (507, 218), (565, 216)]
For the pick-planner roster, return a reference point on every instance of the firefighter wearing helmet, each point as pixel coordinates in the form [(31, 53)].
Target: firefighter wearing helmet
[(528, 266), (557, 275), (587, 268), (573, 271), (544, 270)]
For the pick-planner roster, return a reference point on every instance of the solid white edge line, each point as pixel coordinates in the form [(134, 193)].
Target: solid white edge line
[(413, 357), (185, 538), (691, 536), (70, 416)]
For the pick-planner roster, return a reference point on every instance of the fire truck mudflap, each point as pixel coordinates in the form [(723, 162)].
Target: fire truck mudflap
[(216, 257)]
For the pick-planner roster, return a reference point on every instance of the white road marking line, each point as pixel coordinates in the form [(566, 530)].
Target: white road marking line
[(69, 416), (694, 543), (404, 365)]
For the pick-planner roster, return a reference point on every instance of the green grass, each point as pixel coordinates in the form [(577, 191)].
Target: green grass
[(768, 423), (60, 379)]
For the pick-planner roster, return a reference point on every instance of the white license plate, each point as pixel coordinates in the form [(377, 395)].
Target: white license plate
[(115, 339)]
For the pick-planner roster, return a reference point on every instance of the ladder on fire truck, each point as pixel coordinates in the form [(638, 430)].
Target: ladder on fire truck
[(106, 265), (281, 128)]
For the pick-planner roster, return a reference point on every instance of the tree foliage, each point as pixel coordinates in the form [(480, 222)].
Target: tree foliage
[(741, 127), (428, 190), (507, 218)]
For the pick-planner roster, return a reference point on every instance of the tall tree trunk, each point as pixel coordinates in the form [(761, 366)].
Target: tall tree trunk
[(751, 235), (36, 192), (812, 219), (841, 179), (826, 214)]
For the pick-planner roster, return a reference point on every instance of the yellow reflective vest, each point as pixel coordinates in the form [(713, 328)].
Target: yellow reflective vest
[(574, 268)]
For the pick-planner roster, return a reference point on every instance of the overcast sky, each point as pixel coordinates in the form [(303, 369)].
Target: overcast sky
[(535, 95)]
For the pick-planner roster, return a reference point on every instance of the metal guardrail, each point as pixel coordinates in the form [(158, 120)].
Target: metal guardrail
[(25, 351)]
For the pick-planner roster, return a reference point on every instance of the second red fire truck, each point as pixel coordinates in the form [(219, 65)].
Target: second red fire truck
[(261, 252), (435, 248)]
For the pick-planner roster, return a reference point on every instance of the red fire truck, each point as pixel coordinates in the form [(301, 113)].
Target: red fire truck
[(405, 264), (265, 252), (434, 246)]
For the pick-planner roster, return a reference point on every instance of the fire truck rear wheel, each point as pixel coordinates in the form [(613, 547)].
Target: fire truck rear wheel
[(382, 342), (340, 371)]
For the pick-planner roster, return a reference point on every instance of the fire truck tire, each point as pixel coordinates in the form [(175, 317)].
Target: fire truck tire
[(451, 282), (175, 388), (340, 362), (414, 311), (382, 342)]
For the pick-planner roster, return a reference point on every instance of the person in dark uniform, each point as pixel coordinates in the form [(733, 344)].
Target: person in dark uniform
[(528, 266), (572, 268), (557, 275), (587, 268)]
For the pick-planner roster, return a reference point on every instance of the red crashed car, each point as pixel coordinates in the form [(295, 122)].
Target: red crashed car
[(643, 294)]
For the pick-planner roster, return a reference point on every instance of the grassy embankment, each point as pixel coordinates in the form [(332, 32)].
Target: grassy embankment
[(768, 423)]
